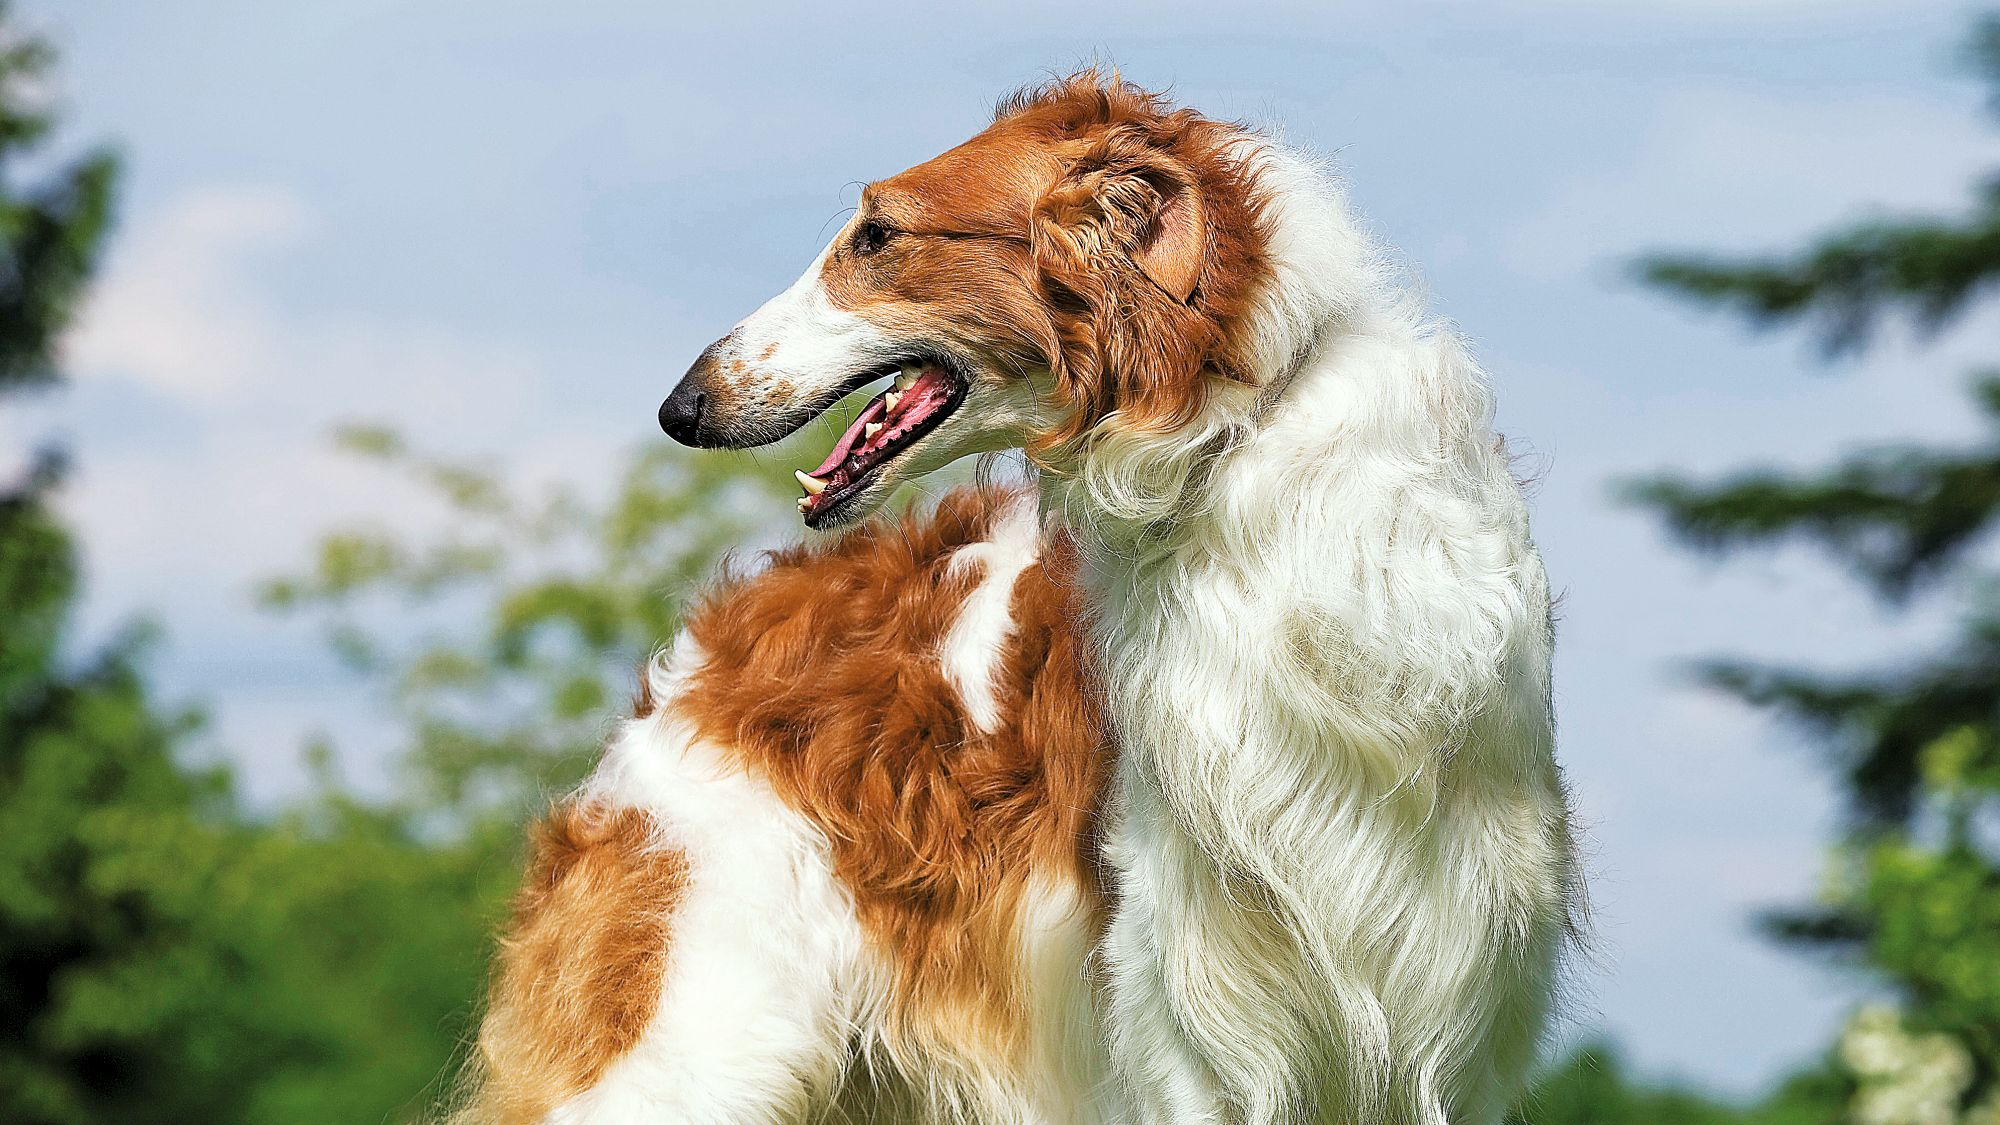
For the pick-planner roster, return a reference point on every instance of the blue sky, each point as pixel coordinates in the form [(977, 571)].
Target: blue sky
[(506, 227)]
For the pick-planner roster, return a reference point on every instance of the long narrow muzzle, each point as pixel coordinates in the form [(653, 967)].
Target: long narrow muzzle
[(688, 406)]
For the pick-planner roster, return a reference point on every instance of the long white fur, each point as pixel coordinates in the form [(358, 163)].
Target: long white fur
[(972, 648), (758, 1000), (1342, 846), (1068, 1080)]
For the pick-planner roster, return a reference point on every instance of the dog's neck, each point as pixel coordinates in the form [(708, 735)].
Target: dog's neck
[(1343, 535), (1322, 637), (1325, 284)]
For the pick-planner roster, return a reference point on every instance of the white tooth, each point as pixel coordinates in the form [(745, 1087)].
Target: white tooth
[(890, 400), (869, 431), (907, 377), (803, 503), (812, 484)]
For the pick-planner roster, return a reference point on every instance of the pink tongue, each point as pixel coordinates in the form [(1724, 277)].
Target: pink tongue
[(874, 411)]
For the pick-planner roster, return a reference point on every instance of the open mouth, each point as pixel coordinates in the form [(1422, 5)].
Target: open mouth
[(923, 394)]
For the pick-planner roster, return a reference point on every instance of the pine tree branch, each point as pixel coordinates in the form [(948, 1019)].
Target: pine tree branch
[(1875, 726), (1898, 517), (1824, 926), (1929, 269)]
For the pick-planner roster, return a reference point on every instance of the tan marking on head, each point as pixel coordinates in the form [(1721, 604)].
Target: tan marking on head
[(1092, 229), (580, 971)]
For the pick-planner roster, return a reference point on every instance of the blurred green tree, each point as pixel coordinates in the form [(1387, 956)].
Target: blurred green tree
[(1593, 1087), (164, 956), (120, 998), (511, 633), (1916, 892)]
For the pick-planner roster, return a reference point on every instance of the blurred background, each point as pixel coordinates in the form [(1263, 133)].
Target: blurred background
[(334, 521)]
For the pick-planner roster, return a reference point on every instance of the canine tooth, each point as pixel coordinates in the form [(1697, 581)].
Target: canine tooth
[(869, 431), (890, 400), (812, 484)]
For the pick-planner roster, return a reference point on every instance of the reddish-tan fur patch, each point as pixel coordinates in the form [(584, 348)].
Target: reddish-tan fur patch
[(1092, 229), (580, 971), (823, 674), (643, 702)]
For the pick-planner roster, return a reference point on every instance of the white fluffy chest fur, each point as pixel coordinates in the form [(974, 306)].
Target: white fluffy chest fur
[(1341, 836)]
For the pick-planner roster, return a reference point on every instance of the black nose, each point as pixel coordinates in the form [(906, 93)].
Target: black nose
[(680, 415)]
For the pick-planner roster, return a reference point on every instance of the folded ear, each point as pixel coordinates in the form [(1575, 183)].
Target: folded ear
[(1119, 245), (1126, 198), (1172, 250)]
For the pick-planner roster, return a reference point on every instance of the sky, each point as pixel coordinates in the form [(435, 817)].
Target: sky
[(506, 228)]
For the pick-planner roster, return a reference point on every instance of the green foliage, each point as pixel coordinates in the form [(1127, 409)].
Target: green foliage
[(1915, 887), (567, 599), (106, 981), (1876, 726), (372, 939), (122, 998), (1929, 268), (1898, 516), (167, 959), (49, 233), (1592, 1088), (1935, 913), (165, 956)]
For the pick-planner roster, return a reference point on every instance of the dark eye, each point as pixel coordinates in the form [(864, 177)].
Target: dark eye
[(870, 237)]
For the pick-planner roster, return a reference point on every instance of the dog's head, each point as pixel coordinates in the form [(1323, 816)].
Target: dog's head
[(1082, 265)]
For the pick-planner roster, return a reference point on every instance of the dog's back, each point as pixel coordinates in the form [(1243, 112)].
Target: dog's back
[(844, 854)]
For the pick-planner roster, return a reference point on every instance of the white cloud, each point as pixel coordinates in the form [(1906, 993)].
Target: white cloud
[(174, 311), (253, 389)]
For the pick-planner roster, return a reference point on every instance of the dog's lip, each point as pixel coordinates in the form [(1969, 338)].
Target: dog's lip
[(902, 416)]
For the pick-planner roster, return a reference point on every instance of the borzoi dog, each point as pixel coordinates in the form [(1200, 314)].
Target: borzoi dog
[(1209, 779)]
